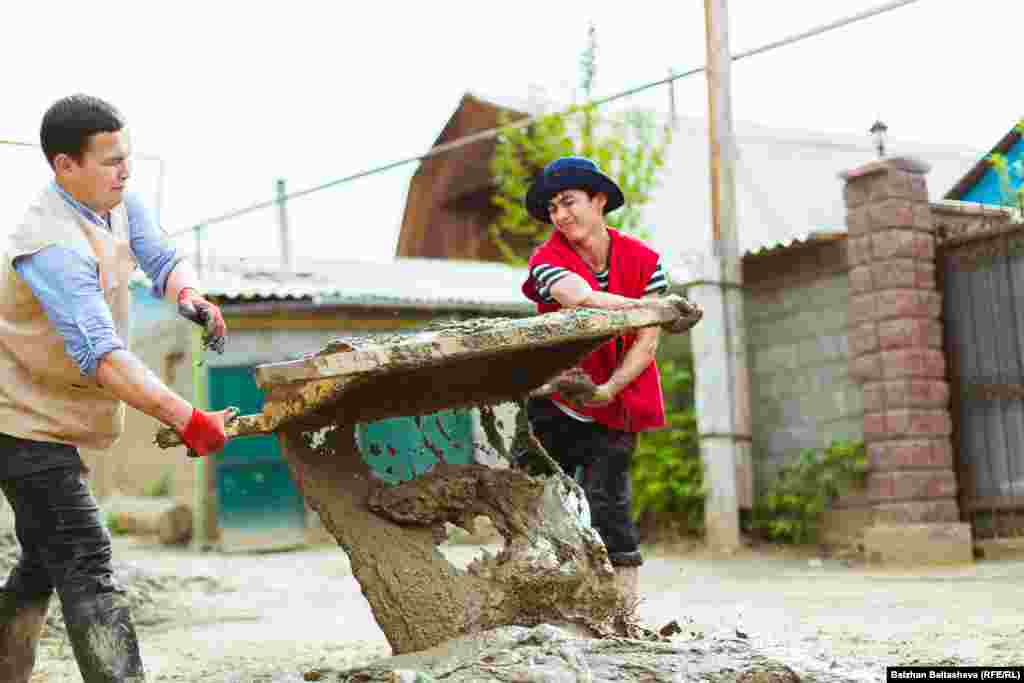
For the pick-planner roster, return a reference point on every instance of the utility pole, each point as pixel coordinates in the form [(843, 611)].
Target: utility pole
[(284, 232), (719, 342)]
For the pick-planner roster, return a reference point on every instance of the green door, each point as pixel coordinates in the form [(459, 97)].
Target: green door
[(259, 506), (401, 448)]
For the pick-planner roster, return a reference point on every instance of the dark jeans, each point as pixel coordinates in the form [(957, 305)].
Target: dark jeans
[(64, 545), (605, 456)]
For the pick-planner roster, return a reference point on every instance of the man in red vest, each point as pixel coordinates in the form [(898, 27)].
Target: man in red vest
[(587, 264)]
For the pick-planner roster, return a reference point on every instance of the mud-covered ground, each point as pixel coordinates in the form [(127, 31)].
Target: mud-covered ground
[(286, 617)]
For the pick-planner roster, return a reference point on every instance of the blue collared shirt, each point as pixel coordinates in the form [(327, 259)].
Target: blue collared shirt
[(67, 283)]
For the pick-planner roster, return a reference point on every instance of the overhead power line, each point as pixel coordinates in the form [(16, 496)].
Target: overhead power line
[(522, 123), (36, 145)]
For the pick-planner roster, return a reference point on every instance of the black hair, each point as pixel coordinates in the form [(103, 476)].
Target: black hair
[(71, 121)]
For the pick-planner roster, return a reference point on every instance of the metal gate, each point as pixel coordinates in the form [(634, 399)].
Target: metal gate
[(983, 311)]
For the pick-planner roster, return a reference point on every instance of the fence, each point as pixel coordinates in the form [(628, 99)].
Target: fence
[(982, 278)]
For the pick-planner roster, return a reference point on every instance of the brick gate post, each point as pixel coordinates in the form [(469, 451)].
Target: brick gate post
[(896, 355)]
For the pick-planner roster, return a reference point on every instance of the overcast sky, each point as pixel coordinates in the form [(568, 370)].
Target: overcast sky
[(234, 95)]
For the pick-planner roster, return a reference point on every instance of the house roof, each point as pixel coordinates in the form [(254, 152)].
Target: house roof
[(787, 188), (426, 284), (978, 171)]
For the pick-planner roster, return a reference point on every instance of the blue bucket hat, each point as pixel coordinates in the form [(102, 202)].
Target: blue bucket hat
[(570, 173)]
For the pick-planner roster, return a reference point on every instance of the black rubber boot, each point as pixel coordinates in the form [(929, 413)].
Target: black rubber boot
[(103, 638), (21, 623)]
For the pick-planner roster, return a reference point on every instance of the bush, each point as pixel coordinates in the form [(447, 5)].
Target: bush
[(159, 487), (791, 510), (668, 476)]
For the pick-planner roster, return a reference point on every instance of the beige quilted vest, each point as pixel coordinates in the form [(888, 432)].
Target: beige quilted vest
[(43, 394)]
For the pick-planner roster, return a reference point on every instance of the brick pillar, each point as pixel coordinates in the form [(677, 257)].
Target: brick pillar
[(896, 354)]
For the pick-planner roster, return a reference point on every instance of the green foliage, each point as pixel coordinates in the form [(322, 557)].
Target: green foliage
[(668, 476), (114, 526), (159, 487), (629, 147), (792, 508), (1006, 172)]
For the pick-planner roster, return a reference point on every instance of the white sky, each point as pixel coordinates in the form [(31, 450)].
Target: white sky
[(232, 96)]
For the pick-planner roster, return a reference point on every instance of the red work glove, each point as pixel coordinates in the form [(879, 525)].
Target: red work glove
[(193, 307), (204, 434)]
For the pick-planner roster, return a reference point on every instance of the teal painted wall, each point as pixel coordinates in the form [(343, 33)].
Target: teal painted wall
[(402, 448), (255, 491), (986, 190)]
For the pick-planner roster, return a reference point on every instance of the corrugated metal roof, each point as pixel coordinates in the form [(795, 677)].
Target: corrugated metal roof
[(815, 237), (408, 283)]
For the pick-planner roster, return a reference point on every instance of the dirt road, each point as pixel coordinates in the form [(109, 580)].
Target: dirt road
[(287, 614)]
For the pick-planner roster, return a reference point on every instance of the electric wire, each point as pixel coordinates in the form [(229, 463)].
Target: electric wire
[(526, 121)]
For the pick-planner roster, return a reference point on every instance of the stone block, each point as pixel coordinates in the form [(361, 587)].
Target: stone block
[(909, 422), (765, 334), (763, 304), (900, 273), (829, 292), (907, 303), (913, 393), (897, 184), (861, 281), (902, 243), (775, 358), (855, 194), (918, 544), (791, 439), (863, 339), (797, 298), (911, 454), (904, 423), (874, 397), (823, 348), (913, 362), (866, 368), (918, 512), (858, 220), (850, 400), (864, 308), (894, 212), (927, 393), (925, 272), (829, 377), (819, 408), (858, 250), (875, 427), (821, 321), (910, 332), (907, 485), (767, 411)]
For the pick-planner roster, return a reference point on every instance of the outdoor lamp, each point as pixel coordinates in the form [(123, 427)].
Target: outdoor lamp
[(878, 130)]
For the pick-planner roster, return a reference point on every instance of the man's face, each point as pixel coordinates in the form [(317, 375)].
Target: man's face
[(576, 215), (99, 178)]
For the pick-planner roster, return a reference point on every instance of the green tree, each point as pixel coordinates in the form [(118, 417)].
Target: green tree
[(629, 146)]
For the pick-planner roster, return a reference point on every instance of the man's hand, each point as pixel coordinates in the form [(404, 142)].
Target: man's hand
[(192, 306), (689, 314), (205, 433)]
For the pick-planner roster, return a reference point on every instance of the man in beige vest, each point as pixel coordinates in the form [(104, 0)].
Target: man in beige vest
[(65, 376)]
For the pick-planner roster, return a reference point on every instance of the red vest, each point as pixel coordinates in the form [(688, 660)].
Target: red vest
[(640, 406)]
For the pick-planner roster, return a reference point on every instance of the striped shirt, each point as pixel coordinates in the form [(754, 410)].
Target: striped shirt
[(545, 277)]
